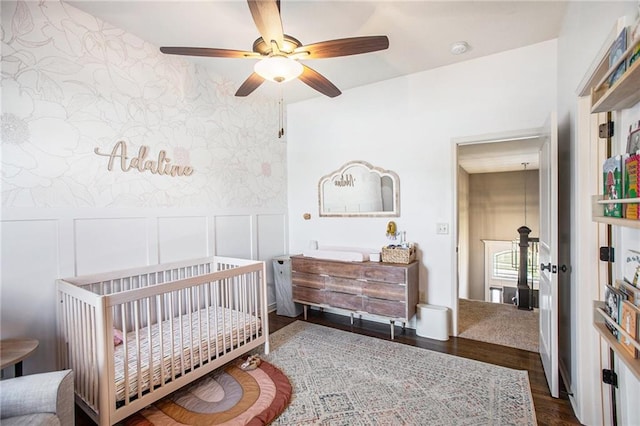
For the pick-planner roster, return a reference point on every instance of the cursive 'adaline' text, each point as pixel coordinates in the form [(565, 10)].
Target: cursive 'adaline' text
[(161, 166)]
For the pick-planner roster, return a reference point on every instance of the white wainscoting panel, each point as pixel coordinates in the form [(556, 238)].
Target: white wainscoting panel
[(233, 236), (182, 238), (29, 268), (271, 243), (44, 245), (111, 244)]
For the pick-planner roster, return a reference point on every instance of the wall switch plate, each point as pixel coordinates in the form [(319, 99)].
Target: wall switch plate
[(442, 228)]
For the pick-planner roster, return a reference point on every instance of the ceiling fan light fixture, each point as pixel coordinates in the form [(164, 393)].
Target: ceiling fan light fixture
[(278, 68)]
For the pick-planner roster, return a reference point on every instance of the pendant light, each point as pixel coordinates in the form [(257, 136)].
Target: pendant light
[(525, 192)]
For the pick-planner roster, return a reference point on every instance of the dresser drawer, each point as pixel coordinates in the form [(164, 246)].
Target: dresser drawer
[(303, 279), (384, 307), (374, 271), (306, 294), (343, 300), (385, 291), (386, 273), (344, 285)]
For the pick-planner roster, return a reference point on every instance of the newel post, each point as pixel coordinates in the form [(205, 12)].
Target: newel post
[(524, 291)]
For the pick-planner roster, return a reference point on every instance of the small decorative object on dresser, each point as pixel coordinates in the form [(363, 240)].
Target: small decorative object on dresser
[(397, 254)]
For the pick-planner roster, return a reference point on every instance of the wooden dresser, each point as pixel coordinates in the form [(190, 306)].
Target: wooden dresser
[(388, 290)]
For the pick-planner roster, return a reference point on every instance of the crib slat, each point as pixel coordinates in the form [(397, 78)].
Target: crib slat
[(150, 358), (173, 334), (216, 302), (127, 355), (181, 332), (200, 325), (160, 337), (136, 310)]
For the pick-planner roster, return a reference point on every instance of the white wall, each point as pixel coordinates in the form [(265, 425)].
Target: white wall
[(71, 84), (496, 203), (407, 125)]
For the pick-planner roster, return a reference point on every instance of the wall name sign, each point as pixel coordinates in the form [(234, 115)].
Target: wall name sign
[(160, 166)]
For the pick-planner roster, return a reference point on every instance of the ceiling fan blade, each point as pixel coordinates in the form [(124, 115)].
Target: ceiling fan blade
[(342, 47), (266, 15), (318, 82), (210, 52), (250, 84)]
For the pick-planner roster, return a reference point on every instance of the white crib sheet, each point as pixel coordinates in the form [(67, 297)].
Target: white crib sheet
[(227, 328)]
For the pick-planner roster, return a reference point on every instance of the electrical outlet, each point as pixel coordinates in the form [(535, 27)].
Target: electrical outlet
[(442, 228)]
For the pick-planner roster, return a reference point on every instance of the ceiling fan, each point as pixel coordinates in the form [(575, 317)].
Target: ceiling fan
[(279, 53)]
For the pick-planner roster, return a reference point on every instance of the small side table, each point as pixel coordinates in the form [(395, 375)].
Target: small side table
[(14, 351)]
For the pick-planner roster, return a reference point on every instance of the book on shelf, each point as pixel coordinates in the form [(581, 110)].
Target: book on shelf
[(632, 267), (635, 54), (629, 323), (612, 179), (612, 301), (630, 183), (634, 38), (617, 50), (633, 139), (631, 292)]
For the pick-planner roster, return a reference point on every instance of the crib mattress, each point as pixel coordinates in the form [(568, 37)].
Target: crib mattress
[(212, 333)]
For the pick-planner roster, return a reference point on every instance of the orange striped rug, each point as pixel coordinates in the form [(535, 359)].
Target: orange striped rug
[(226, 396)]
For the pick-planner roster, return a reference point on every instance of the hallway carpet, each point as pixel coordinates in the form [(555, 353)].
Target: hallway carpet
[(498, 323)]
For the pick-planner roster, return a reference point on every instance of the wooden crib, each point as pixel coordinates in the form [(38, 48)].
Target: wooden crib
[(168, 324)]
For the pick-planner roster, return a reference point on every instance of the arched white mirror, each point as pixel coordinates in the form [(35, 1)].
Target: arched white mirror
[(359, 189)]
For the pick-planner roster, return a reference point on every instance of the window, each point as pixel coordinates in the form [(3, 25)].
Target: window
[(505, 263)]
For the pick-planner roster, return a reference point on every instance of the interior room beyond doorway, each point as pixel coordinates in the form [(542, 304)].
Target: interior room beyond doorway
[(497, 193)]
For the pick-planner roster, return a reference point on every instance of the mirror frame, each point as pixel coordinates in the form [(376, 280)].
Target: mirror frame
[(372, 169)]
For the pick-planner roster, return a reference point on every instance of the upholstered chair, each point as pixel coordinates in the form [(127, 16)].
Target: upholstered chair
[(38, 399)]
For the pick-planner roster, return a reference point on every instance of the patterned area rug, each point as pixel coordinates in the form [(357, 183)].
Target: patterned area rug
[(227, 396), (499, 323), (342, 378)]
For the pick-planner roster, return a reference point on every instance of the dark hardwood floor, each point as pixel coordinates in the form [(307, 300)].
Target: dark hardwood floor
[(549, 411)]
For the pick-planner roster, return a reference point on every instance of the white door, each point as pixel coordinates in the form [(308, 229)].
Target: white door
[(548, 296)]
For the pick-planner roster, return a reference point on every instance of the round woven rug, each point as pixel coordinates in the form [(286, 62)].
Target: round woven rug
[(228, 395)]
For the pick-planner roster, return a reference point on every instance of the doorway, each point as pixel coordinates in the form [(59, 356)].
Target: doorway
[(497, 192)]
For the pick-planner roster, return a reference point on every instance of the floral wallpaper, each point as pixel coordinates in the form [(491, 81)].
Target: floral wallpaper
[(72, 84)]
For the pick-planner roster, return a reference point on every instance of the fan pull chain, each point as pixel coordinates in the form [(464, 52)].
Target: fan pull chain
[(281, 116)]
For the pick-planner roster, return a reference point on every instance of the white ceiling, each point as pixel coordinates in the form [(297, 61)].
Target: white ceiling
[(420, 32), (503, 156)]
